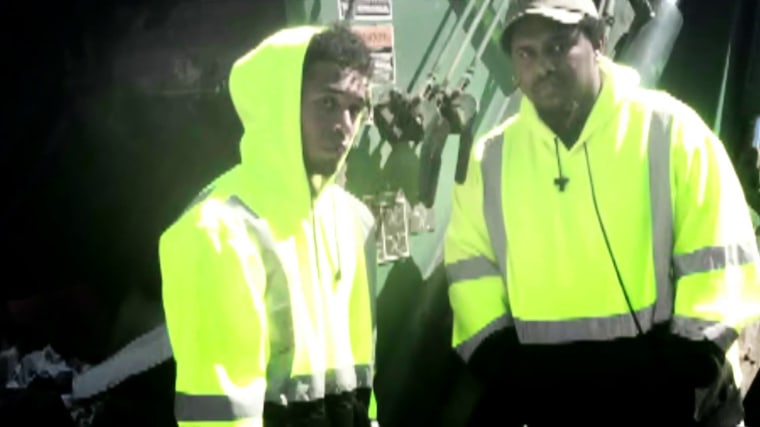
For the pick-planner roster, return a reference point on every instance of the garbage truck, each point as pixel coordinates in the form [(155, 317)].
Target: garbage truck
[(152, 122)]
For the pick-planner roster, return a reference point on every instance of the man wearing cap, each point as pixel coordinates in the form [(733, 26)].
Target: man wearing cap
[(600, 253)]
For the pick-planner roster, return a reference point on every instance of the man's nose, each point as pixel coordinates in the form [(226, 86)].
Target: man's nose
[(546, 65)]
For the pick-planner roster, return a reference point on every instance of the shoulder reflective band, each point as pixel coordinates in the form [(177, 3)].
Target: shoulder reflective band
[(715, 258), (601, 328), (493, 209), (660, 202)]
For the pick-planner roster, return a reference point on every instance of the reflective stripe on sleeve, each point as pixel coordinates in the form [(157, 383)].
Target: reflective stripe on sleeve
[(715, 258), (493, 210), (470, 269), (195, 407)]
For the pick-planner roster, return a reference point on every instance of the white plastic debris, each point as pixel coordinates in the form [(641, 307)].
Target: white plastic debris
[(140, 355), (45, 363)]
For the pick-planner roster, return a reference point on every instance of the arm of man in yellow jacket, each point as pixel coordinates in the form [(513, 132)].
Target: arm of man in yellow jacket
[(213, 288), (477, 292), (715, 256)]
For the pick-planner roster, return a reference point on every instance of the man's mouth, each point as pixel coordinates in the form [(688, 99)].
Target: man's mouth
[(547, 87)]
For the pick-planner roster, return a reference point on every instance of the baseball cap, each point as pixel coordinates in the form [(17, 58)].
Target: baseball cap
[(563, 11)]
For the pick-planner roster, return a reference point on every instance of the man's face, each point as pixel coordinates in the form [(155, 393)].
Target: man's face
[(555, 64), (332, 101)]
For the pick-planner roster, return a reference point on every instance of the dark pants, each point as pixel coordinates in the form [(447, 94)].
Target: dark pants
[(626, 382), (618, 402)]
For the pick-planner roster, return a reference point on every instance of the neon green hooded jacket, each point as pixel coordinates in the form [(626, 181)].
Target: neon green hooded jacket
[(523, 255), (266, 289)]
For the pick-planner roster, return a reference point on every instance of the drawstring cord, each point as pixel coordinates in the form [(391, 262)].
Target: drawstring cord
[(560, 181), (619, 276)]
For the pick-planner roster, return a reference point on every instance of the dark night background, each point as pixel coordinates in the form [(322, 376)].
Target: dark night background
[(116, 115)]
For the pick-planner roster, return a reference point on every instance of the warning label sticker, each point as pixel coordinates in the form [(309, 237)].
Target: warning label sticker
[(379, 38), (365, 9)]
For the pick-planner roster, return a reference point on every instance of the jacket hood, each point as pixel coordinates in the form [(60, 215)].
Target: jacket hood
[(265, 87), (618, 81)]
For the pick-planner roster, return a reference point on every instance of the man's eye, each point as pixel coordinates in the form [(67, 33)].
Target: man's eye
[(523, 54)]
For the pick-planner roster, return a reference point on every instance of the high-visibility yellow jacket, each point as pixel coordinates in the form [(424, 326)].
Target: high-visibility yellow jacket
[(266, 289), (525, 256)]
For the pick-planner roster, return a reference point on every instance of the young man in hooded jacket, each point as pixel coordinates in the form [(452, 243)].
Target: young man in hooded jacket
[(266, 286), (601, 254)]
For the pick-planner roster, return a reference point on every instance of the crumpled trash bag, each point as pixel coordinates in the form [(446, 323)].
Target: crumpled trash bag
[(132, 387), (45, 363), (37, 386)]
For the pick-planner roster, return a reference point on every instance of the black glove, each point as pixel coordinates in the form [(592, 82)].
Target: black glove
[(720, 405), (696, 363)]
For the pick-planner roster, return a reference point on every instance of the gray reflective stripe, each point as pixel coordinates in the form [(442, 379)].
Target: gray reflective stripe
[(715, 258), (278, 307), (658, 156), (698, 329), (493, 210), (467, 348), (587, 329), (470, 269), (493, 213), (194, 407)]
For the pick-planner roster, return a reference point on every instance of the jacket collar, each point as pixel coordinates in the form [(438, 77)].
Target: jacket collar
[(618, 81)]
